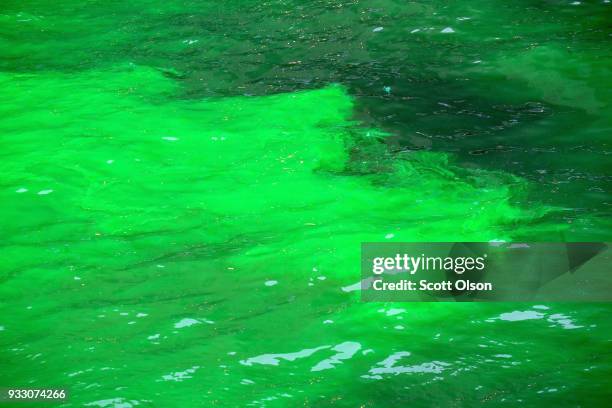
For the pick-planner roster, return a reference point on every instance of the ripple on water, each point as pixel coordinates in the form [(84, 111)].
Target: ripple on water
[(556, 319), (180, 375), (275, 358), (388, 366), (118, 402), (344, 351)]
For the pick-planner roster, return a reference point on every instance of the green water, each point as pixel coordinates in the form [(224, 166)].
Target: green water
[(186, 184)]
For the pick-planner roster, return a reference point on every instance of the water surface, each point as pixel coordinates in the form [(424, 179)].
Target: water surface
[(185, 186)]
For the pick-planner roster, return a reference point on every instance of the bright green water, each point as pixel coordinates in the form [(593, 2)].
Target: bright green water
[(185, 185)]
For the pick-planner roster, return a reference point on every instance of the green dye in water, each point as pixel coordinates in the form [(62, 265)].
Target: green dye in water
[(182, 228)]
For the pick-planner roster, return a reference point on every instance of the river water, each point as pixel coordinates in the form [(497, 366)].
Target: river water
[(186, 184)]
